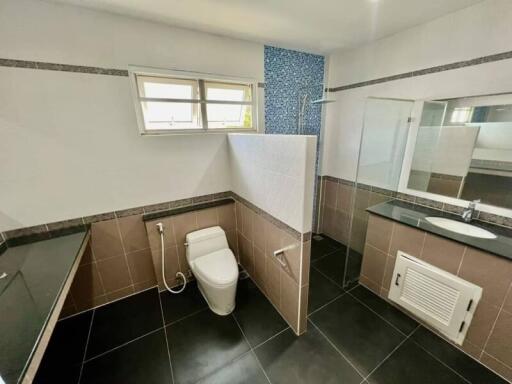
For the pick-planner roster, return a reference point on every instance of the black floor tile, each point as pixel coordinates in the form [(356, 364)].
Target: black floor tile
[(240, 371), (144, 360), (399, 319), (309, 358), (322, 247), (257, 317), (411, 364), (362, 336), (65, 352), (321, 290), (177, 306), (203, 343), (332, 266), (123, 321), (467, 367)]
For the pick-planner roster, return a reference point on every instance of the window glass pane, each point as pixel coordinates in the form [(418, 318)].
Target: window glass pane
[(167, 88), (168, 115), (229, 116), (228, 92)]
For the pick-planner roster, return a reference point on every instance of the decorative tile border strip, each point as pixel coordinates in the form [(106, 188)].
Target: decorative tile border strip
[(62, 67), (427, 71), (189, 208), (46, 231), (485, 217)]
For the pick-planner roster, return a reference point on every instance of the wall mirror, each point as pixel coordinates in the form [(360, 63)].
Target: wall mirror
[(462, 149)]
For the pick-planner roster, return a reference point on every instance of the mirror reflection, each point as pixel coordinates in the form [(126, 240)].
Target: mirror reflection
[(463, 150)]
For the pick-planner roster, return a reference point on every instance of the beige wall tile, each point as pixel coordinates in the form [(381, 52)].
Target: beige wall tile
[(497, 366), (247, 222), (481, 325), (133, 233), (183, 224), (226, 216), (106, 239), (233, 242), (273, 239), (379, 233), (273, 281), (373, 265), (114, 273), (328, 217), (442, 253), (290, 300), (141, 266), (344, 198), (388, 272), (259, 225), (86, 284), (304, 296), (406, 239), (291, 256), (260, 268), (331, 189), (507, 306), (306, 262), (206, 218), (500, 343), (492, 273), (246, 254)]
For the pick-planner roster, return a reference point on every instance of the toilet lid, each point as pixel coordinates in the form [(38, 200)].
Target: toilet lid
[(218, 268)]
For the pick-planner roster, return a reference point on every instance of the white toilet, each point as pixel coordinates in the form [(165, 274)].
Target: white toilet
[(214, 266)]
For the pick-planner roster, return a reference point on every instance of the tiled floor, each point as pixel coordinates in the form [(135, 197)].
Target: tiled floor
[(353, 337)]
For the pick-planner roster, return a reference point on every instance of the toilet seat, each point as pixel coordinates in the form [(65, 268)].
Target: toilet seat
[(218, 268)]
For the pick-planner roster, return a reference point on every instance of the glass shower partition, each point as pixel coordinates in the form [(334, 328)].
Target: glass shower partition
[(383, 140)]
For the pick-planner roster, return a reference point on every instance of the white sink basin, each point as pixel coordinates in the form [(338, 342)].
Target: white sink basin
[(462, 228)]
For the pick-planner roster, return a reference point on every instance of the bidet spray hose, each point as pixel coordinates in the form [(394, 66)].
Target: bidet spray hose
[(160, 228)]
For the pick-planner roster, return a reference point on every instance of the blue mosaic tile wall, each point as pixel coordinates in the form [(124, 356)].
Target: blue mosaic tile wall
[(289, 75)]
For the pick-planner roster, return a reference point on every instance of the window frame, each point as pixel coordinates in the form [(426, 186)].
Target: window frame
[(201, 78)]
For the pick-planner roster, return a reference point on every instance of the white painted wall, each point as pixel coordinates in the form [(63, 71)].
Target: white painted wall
[(276, 173), (470, 33), (69, 144)]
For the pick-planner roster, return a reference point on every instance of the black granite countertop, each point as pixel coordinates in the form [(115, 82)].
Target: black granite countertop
[(414, 216), (36, 274)]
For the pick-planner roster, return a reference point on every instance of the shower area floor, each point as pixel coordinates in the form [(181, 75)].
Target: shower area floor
[(353, 336)]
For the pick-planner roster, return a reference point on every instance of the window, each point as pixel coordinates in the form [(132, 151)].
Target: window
[(461, 115), (179, 102)]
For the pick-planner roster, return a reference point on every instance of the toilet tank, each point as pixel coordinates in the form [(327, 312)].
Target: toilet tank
[(204, 241)]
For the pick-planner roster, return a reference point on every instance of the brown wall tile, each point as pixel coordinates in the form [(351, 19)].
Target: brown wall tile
[(497, 366), (388, 272), (507, 305), (292, 256), (406, 239), (492, 273), (246, 254), (379, 233), (306, 262), (119, 294), (226, 216), (500, 343), (344, 198), (273, 281), (247, 222), (331, 190), (260, 270), (374, 287), (141, 266), (373, 264), (183, 224), (259, 232), (133, 233), (207, 218), (481, 325), (86, 284), (114, 273), (442, 253), (290, 300), (154, 236), (106, 239), (172, 266)]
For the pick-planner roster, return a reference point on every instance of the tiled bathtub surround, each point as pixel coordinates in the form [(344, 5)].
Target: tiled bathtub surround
[(488, 337)]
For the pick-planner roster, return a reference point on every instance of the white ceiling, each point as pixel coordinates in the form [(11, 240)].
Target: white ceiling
[(317, 26)]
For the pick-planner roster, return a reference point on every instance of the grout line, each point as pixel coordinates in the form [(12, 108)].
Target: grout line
[(86, 346), (509, 290), (273, 336), (391, 353), (165, 335), (379, 315), (462, 260), (326, 304), (185, 317), (251, 349), (124, 344), (336, 349), (327, 277)]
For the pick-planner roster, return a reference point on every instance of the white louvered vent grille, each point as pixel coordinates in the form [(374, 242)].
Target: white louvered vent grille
[(439, 298), (429, 295)]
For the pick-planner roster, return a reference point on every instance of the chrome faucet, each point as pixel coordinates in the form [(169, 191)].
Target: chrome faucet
[(467, 214)]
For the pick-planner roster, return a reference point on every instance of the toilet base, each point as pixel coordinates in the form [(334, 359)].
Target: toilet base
[(212, 308)]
